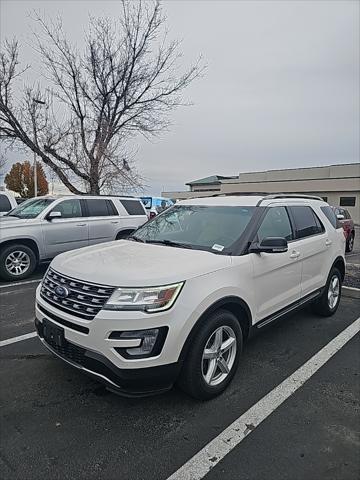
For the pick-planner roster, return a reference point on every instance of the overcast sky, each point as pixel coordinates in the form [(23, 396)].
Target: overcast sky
[(281, 89)]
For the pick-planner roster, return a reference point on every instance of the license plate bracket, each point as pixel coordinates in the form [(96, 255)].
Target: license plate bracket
[(53, 333)]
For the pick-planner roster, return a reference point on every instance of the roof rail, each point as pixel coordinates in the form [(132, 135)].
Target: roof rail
[(238, 194), (290, 195), (105, 195)]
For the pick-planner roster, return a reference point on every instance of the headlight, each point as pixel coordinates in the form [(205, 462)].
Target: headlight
[(148, 299)]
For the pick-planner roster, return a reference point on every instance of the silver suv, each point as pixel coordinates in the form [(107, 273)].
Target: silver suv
[(42, 227)]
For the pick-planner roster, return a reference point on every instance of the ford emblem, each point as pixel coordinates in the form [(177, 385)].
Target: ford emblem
[(61, 292)]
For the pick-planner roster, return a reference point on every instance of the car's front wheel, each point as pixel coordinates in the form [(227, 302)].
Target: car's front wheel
[(17, 262), (213, 356)]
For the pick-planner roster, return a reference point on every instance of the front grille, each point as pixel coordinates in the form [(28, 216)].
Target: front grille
[(69, 351), (84, 300)]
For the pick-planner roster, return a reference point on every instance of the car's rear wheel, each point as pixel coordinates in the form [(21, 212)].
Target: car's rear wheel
[(350, 243), (17, 262), (329, 301), (213, 356)]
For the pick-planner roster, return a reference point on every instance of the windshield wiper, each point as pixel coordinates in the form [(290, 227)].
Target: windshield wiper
[(12, 215), (136, 239), (170, 243)]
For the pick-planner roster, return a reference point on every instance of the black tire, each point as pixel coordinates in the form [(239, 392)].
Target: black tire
[(124, 234), (191, 378), (350, 243), (5, 274), (322, 305)]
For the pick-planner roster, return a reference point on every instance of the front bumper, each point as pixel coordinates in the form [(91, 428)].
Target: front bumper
[(127, 382)]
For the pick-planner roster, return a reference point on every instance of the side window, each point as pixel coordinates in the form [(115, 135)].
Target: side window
[(5, 204), (111, 208), (275, 224), (306, 221), (97, 207), (133, 207), (69, 208), (330, 214)]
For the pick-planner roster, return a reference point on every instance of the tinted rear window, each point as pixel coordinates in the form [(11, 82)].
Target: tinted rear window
[(133, 207), (306, 222), (330, 215), (98, 208), (5, 204)]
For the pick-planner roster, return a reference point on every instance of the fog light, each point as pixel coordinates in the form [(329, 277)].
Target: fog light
[(148, 338)]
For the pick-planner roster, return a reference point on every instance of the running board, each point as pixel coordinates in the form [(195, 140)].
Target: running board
[(289, 309)]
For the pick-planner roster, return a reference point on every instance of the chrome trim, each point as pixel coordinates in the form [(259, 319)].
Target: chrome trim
[(98, 305), (91, 284), (287, 310), (74, 290), (66, 309), (94, 296)]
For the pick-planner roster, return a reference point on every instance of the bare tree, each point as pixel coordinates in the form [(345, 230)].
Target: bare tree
[(126, 81), (2, 162)]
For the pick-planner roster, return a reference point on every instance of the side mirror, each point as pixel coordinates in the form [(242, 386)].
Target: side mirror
[(53, 214), (340, 217), (270, 245)]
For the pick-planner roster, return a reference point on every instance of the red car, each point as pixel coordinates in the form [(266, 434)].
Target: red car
[(347, 223)]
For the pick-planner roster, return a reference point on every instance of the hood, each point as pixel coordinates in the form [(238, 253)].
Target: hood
[(6, 221), (127, 263)]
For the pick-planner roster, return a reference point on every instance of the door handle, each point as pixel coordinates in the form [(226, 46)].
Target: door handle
[(295, 254), (81, 224), (114, 221), (328, 242)]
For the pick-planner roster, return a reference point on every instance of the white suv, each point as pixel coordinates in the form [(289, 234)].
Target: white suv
[(176, 301)]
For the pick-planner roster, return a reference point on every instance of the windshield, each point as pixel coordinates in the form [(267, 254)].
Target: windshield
[(203, 227), (31, 208)]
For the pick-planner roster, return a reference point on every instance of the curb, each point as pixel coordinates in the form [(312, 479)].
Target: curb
[(351, 292)]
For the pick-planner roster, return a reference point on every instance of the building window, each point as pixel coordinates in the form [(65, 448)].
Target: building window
[(347, 201), (325, 199)]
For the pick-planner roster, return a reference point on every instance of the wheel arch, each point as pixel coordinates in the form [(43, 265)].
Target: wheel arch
[(123, 232), (236, 305), (339, 263), (23, 241)]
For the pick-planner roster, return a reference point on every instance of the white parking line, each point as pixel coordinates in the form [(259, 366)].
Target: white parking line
[(20, 283), (199, 465), (9, 341)]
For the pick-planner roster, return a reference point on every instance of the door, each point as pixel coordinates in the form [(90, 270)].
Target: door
[(103, 219), (314, 245), (67, 232), (277, 276)]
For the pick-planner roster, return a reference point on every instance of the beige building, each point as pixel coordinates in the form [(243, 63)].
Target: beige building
[(337, 184)]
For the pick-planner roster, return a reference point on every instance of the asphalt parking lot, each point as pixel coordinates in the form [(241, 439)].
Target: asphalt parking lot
[(58, 424)]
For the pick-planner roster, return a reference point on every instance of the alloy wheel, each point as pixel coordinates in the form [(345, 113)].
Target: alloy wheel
[(333, 291), (17, 262), (219, 355)]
